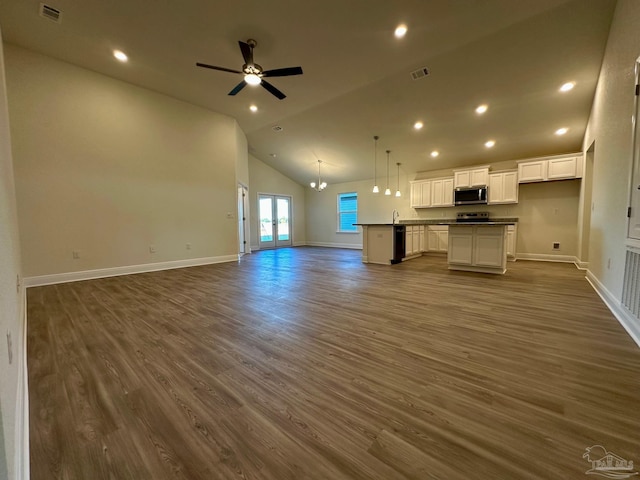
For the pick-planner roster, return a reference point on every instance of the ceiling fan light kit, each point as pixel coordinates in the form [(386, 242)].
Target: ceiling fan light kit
[(253, 74)]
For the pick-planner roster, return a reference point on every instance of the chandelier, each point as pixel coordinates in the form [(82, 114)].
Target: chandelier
[(320, 185)]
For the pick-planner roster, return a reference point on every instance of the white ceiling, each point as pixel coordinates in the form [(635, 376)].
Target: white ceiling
[(511, 54)]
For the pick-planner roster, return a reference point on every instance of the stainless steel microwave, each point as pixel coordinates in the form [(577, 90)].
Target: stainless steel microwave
[(470, 196)]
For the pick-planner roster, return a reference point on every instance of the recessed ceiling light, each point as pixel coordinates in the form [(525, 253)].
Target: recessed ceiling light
[(273, 155), (489, 143), (120, 55), (401, 31), (481, 109), (435, 153), (567, 86), (562, 131), (418, 125), (253, 108)]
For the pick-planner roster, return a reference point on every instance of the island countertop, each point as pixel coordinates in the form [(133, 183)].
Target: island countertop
[(453, 221)]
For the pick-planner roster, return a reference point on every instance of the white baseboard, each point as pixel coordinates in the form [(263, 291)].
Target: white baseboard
[(543, 257), (334, 245), (125, 270), (626, 319), (582, 265), (22, 469)]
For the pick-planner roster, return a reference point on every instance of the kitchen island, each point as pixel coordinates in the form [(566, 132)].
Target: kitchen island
[(478, 247), (475, 246), (382, 243)]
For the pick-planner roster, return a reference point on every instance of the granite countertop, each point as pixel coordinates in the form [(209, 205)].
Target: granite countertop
[(452, 221), (443, 221), (379, 224)]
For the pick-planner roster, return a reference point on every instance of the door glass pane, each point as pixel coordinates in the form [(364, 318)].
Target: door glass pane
[(266, 219), (282, 206)]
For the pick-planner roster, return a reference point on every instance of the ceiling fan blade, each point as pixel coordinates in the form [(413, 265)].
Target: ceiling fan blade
[(247, 52), (238, 87), (213, 67), (273, 90), (283, 72)]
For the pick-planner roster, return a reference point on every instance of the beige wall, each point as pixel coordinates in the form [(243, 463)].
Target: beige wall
[(12, 320), (107, 169), (265, 179), (547, 212), (610, 128)]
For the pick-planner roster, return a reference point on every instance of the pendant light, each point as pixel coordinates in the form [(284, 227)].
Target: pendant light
[(398, 194), (320, 185), (375, 162), (388, 190)]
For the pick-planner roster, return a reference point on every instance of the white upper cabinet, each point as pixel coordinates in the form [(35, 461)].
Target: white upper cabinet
[(532, 171), (560, 168), (503, 187), (471, 177), (442, 192), (436, 192), (421, 194), (546, 169)]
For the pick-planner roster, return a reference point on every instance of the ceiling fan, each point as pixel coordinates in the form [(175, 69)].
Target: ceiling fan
[(253, 73)]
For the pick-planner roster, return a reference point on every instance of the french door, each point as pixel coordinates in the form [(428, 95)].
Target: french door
[(275, 220)]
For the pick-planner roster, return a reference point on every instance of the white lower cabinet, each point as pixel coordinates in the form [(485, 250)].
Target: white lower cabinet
[(478, 248), (437, 238), (414, 240)]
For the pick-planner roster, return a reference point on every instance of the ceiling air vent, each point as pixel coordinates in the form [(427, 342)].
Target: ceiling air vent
[(277, 128), (51, 13), (420, 73)]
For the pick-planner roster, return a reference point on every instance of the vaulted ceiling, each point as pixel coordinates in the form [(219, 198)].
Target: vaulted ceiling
[(512, 55)]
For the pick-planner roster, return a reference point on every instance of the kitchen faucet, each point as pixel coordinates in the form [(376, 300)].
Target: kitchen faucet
[(395, 216)]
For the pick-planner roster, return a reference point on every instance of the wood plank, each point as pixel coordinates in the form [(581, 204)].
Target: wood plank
[(304, 363)]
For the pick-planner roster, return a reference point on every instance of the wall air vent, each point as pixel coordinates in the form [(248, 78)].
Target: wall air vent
[(277, 128), (51, 13), (420, 73)]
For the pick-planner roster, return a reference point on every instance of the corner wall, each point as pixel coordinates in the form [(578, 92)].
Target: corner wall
[(108, 169), (14, 454), (611, 129)]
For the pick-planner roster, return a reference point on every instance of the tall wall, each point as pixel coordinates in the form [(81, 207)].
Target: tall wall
[(107, 169), (547, 212), (265, 179), (611, 129), (12, 315)]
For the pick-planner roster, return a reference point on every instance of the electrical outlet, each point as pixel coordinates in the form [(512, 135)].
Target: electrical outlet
[(556, 245), (152, 249), (75, 254), (10, 347), (188, 246), (608, 264)]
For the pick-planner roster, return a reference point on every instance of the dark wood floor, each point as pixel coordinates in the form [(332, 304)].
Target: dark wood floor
[(304, 363)]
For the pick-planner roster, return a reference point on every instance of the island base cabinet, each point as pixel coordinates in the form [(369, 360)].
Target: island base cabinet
[(460, 247), (478, 248)]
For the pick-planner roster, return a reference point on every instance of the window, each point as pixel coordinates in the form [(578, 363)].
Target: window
[(347, 212)]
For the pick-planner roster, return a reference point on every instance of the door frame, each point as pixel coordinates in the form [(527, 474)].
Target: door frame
[(275, 196), (244, 232)]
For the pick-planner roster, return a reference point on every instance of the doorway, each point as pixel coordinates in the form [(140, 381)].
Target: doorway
[(275, 221)]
